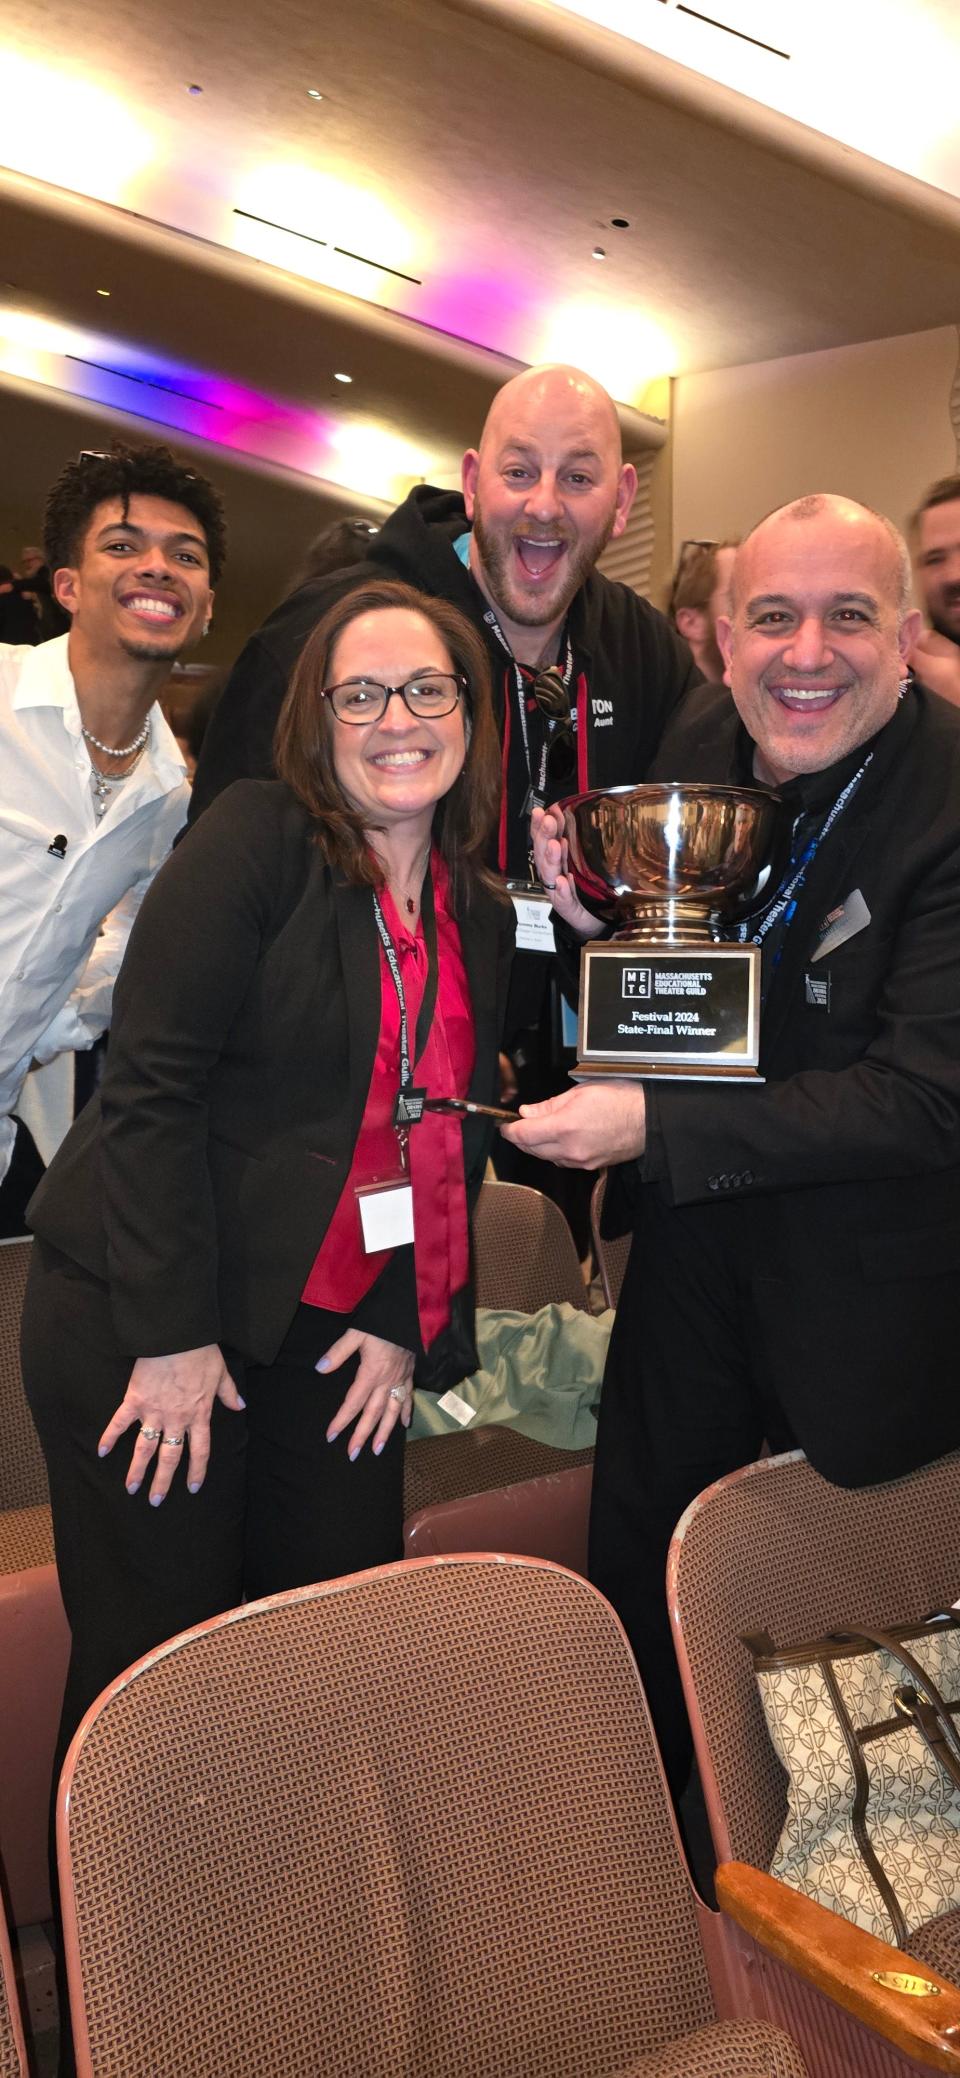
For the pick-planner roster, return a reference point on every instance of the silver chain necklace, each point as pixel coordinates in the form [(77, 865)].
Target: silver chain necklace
[(127, 752)]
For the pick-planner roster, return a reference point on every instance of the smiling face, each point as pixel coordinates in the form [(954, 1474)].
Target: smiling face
[(937, 563), (397, 769), (545, 491), (141, 585), (816, 646)]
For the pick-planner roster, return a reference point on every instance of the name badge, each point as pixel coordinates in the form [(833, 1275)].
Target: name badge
[(842, 923), (408, 1109), (386, 1215), (534, 920)]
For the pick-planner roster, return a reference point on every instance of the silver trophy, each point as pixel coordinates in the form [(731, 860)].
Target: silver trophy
[(673, 865)]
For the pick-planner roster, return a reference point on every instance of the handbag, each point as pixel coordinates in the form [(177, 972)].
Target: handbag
[(866, 1724)]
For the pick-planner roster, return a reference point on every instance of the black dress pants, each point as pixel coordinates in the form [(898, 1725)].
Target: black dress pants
[(280, 1506), (683, 1403)]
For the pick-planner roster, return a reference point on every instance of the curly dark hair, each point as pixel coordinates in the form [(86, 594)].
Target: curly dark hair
[(152, 471), (303, 744)]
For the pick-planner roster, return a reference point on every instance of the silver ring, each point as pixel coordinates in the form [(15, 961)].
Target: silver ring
[(398, 1392), (152, 1435), (549, 885), (174, 1442)]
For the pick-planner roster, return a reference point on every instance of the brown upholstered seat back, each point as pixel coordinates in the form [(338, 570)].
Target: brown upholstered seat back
[(23, 1477), (410, 1825), (524, 1253), (776, 1548)]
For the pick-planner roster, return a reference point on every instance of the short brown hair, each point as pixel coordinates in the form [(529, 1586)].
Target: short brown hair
[(303, 744), (946, 491), (695, 576)]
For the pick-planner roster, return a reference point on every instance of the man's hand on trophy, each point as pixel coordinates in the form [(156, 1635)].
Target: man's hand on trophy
[(552, 864), (586, 1127)]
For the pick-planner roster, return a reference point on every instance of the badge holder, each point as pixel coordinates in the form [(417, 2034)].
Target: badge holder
[(534, 913)]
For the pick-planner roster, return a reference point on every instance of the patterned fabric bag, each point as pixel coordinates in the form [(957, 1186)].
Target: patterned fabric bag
[(867, 1726)]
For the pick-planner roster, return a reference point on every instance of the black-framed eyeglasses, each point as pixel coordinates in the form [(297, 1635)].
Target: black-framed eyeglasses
[(429, 695), (553, 699)]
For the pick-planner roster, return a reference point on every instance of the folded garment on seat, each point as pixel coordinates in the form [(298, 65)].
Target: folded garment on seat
[(539, 1373)]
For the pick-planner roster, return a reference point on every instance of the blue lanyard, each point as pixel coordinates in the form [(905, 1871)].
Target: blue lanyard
[(785, 906)]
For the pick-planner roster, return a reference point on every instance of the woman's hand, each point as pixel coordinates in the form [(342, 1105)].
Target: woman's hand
[(553, 870), (381, 1391), (171, 1398)]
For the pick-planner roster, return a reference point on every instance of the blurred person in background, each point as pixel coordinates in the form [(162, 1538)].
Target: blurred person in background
[(18, 620), (698, 595), (934, 535)]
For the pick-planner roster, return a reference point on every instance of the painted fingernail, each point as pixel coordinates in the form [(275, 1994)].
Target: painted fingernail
[(354, 1453), (378, 1447), (194, 1485), (332, 1435), (321, 1364), (133, 1486), (241, 1403), (102, 1449), (155, 1500)]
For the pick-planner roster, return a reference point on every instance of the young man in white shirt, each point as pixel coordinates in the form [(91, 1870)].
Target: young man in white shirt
[(93, 787)]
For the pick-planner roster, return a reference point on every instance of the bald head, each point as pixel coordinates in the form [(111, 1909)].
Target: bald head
[(550, 395), (545, 491), (846, 520)]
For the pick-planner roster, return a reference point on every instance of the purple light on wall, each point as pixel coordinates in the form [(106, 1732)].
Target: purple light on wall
[(484, 309), (209, 406)]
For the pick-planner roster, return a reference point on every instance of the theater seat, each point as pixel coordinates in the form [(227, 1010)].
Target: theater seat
[(774, 1547), (410, 1824), (493, 1488)]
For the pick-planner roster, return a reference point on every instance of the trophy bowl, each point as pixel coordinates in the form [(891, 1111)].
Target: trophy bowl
[(674, 862)]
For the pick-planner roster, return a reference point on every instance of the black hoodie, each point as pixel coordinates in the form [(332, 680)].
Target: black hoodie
[(630, 670)]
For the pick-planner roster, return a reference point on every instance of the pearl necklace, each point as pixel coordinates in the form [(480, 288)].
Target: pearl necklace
[(108, 752)]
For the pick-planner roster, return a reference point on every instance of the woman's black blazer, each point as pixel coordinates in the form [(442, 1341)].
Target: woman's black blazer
[(201, 1181)]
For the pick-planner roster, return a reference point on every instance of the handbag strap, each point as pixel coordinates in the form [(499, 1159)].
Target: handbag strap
[(858, 1815), (932, 1718)]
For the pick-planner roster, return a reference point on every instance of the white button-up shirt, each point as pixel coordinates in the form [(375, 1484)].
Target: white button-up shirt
[(57, 966)]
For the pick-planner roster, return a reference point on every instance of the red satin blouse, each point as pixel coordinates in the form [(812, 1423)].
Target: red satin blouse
[(342, 1272)]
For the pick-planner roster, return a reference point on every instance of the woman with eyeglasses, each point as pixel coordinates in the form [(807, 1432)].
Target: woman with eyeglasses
[(256, 1238)]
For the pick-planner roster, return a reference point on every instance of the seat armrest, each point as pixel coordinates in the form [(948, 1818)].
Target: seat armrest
[(841, 1959)]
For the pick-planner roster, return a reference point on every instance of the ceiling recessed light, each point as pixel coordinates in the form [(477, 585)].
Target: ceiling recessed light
[(314, 94), (339, 377), (103, 292), (598, 253)]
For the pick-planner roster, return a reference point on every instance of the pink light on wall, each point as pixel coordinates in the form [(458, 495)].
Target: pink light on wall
[(485, 309)]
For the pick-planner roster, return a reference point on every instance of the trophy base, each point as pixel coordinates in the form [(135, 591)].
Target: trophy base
[(691, 1013), (649, 1071)]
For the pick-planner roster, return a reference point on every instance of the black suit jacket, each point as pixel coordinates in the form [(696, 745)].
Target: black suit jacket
[(201, 1181), (851, 1147)]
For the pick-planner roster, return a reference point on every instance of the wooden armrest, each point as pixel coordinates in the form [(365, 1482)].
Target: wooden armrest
[(840, 1959)]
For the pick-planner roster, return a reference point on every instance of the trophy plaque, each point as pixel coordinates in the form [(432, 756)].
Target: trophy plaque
[(672, 864)]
